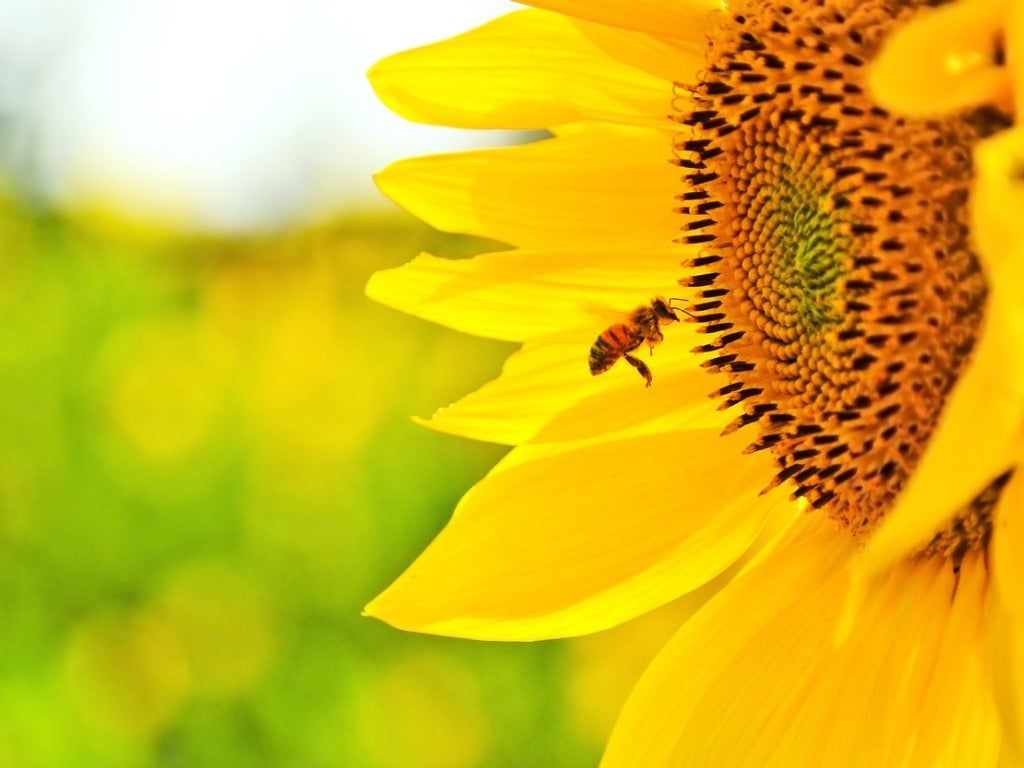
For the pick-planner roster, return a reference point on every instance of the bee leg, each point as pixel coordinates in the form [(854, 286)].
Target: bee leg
[(654, 339), (641, 366)]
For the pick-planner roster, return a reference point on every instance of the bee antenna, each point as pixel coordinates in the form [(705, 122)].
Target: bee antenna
[(685, 311)]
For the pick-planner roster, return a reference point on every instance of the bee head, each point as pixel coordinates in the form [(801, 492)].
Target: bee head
[(663, 311)]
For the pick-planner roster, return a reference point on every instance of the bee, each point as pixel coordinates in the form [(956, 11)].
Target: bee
[(642, 325)]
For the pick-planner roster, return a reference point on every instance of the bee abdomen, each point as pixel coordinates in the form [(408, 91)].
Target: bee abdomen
[(602, 355), (609, 347)]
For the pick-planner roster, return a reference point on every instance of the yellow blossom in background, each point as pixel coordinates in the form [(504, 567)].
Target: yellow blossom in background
[(128, 675), (226, 631), (816, 253), (433, 712)]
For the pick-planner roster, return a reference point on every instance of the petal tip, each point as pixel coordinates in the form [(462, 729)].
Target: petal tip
[(383, 179), (376, 286), (381, 608), (381, 77)]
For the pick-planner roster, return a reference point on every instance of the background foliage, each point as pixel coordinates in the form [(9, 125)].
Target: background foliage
[(206, 469)]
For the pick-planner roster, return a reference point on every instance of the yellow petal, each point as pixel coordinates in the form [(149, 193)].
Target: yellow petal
[(671, 60), (595, 188), (979, 435), (546, 394), (968, 732), (528, 69), (1014, 32), (754, 678), (584, 539), (1008, 546), (998, 198), (1006, 650), (519, 295), (686, 19), (944, 61), (1008, 616)]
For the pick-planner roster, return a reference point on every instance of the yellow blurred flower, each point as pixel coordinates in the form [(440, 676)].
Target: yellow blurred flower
[(226, 632), (163, 385), (829, 284), (168, 387), (424, 710), (127, 675)]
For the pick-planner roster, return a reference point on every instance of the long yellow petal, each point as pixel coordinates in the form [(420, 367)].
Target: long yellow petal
[(944, 61), (1014, 42), (1008, 617), (755, 679), (584, 539), (595, 188), (1006, 651), (528, 69), (685, 19), (969, 732), (520, 295), (1008, 546), (671, 60)]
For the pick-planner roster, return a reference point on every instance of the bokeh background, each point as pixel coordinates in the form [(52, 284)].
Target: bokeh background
[(207, 465)]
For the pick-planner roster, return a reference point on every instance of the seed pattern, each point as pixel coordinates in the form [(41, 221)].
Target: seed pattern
[(971, 529), (834, 270)]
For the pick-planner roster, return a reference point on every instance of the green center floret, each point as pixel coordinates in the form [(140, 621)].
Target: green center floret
[(810, 251)]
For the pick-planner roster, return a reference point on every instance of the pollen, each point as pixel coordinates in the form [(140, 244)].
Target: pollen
[(834, 273)]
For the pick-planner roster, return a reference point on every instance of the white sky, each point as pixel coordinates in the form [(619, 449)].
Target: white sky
[(238, 114)]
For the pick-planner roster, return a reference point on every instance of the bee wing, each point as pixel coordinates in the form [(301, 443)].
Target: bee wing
[(604, 315)]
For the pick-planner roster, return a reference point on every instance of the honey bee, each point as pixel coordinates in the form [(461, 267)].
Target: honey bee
[(642, 325)]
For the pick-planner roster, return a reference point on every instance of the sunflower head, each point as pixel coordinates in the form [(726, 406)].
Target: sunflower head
[(835, 267)]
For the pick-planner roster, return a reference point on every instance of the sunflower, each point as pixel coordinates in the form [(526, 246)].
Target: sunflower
[(726, 168)]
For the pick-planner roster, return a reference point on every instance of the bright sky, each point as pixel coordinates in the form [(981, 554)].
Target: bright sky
[(236, 114)]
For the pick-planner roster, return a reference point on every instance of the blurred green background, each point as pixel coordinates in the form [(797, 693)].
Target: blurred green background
[(207, 468)]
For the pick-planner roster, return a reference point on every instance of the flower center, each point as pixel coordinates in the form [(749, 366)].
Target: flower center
[(834, 267), (813, 249)]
